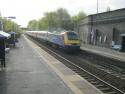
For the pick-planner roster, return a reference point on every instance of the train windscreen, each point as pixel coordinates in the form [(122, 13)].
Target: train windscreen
[(72, 36)]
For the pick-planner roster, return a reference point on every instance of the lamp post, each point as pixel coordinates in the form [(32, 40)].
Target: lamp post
[(97, 6)]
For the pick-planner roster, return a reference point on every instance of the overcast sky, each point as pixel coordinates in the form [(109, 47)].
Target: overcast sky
[(25, 10)]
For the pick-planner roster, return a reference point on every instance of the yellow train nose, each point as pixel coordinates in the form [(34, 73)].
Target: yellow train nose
[(72, 42)]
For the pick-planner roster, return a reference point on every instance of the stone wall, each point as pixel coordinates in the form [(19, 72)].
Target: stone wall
[(103, 28)]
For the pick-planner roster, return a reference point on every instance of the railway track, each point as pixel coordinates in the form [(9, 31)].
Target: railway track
[(101, 77)]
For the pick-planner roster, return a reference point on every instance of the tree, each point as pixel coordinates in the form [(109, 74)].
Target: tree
[(43, 24), (7, 25), (33, 25), (56, 19), (78, 17), (81, 15), (64, 19)]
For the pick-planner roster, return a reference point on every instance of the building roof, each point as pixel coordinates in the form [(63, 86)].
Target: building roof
[(111, 11), (4, 35)]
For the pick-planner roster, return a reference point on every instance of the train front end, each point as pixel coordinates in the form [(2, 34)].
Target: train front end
[(71, 41)]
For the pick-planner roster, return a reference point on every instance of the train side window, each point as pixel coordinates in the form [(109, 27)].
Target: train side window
[(105, 39), (100, 39)]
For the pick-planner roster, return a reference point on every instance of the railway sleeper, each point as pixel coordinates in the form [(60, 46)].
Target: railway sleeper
[(105, 89), (99, 85), (87, 77), (109, 71), (70, 66), (91, 80), (116, 74), (121, 77), (112, 92), (76, 70), (94, 82), (83, 75)]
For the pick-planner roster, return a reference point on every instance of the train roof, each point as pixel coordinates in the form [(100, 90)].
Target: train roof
[(37, 31), (56, 31), (53, 32)]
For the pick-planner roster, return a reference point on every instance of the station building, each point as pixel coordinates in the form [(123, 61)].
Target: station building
[(102, 29)]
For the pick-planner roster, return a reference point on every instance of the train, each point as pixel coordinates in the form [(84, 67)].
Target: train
[(67, 40)]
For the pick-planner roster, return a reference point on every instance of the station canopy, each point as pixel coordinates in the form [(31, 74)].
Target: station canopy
[(4, 35)]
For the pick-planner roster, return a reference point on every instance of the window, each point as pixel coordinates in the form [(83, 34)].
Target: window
[(72, 36), (105, 38)]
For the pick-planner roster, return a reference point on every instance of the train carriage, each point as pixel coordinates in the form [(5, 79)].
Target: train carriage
[(67, 40)]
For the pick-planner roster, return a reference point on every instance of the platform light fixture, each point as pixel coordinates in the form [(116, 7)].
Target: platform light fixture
[(12, 17), (97, 6)]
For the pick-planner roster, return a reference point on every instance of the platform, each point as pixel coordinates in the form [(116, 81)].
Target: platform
[(31, 70), (107, 52)]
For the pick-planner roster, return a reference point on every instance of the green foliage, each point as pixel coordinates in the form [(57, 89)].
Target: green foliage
[(7, 25), (33, 25), (64, 19), (43, 24), (78, 17), (50, 19), (81, 15), (56, 19)]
